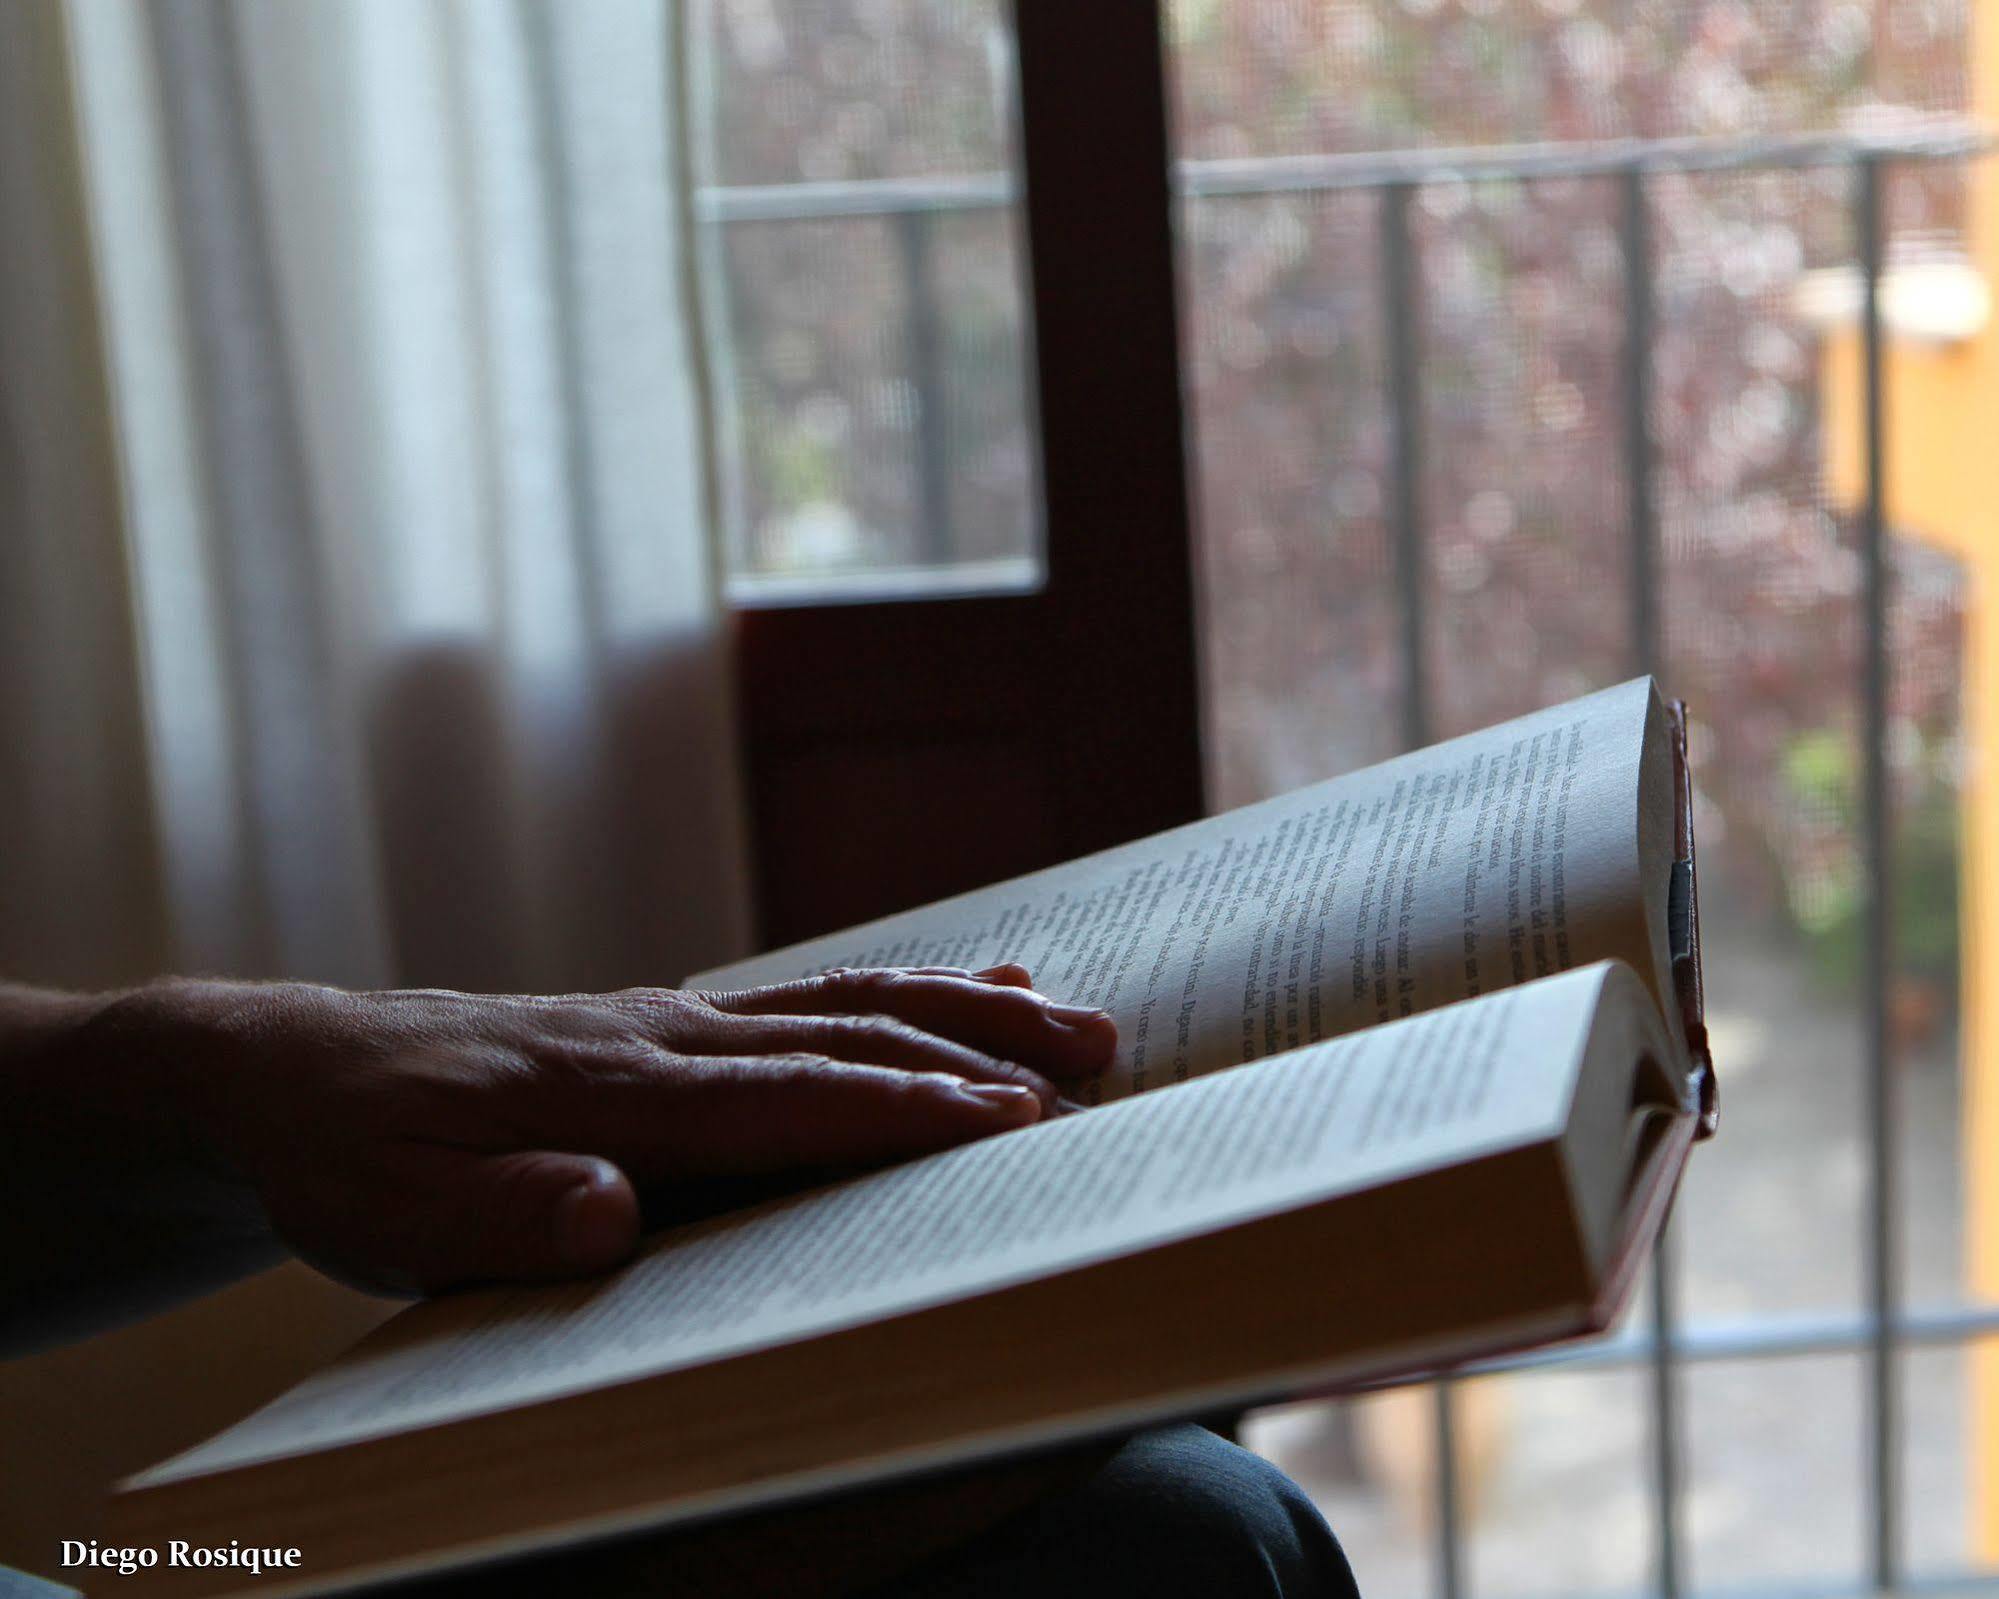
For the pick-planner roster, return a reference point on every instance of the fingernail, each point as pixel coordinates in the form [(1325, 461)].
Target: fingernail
[(1004, 969), (1081, 1017), (1009, 1099), (1068, 1107), (591, 1227)]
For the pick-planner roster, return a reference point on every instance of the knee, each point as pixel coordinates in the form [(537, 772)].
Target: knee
[(1211, 1518)]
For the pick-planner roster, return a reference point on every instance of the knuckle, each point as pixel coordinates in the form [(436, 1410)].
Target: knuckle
[(1021, 1002), (909, 1089), (577, 1020), (858, 1034), (802, 1069), (884, 1032), (657, 1005), (862, 980), (1006, 1071)]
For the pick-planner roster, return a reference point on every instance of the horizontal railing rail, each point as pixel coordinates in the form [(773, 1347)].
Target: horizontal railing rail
[(1766, 1335), (1936, 139)]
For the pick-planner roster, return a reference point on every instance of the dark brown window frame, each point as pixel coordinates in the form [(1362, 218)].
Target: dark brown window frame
[(900, 750)]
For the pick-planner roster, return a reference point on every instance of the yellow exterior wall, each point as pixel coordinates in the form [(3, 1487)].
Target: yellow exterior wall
[(1942, 413)]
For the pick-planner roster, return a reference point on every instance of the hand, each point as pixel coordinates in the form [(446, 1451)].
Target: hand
[(417, 1140)]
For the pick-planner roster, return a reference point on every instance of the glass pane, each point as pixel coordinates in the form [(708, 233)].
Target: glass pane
[(1934, 807), (1523, 490), (1559, 1486), (1293, 466), (1288, 77), (1936, 295), (1760, 603), (1775, 1463), (861, 283), (1553, 1485), (1943, 1535)]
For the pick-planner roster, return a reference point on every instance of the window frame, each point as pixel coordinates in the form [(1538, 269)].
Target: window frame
[(1049, 723)]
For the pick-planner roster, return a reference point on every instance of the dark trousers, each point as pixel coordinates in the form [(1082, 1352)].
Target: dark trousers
[(1175, 1514), (1179, 1513)]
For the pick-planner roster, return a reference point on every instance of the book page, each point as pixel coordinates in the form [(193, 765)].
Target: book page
[(1479, 863), (1450, 1086)]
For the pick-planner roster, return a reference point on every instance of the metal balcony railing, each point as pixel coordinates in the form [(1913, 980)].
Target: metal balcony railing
[(1886, 1325)]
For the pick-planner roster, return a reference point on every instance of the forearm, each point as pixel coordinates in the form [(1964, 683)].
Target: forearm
[(107, 1210)]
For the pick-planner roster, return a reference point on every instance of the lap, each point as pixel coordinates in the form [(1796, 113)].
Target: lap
[(1174, 1512)]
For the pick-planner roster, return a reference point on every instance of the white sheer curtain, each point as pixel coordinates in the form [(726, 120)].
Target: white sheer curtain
[(362, 620), (356, 615)]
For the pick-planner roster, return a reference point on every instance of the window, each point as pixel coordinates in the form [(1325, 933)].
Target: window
[(1526, 345), (863, 286)]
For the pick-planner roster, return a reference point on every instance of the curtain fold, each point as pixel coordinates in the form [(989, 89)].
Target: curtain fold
[(423, 656), (79, 894)]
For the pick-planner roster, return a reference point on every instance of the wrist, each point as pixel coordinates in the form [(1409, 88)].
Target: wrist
[(164, 1054)]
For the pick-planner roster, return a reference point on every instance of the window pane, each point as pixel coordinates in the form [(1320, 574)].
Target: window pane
[(1523, 491), (1289, 77), (1760, 589), (1558, 1470), (1942, 1533), (1776, 1473), (861, 283), (1553, 1481), (1293, 473)]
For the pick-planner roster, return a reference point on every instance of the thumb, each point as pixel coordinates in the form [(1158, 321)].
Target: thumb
[(528, 1214)]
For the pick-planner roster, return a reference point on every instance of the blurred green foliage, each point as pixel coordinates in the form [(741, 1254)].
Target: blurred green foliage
[(1824, 872)]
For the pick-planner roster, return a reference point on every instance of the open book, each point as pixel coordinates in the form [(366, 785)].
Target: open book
[(1461, 992)]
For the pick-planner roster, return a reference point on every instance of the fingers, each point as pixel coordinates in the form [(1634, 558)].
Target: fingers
[(439, 1217), (874, 1041), (768, 1113), (1010, 973), (991, 1013)]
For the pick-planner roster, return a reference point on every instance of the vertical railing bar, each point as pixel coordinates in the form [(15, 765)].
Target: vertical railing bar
[(1642, 519), (1450, 1513), (930, 438), (1883, 1120), (1399, 292), (1667, 1468), (1399, 295)]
